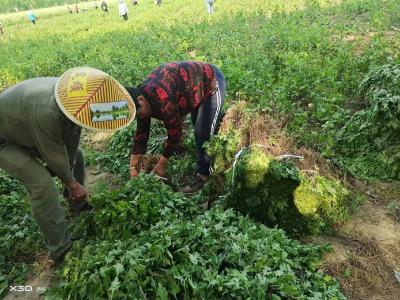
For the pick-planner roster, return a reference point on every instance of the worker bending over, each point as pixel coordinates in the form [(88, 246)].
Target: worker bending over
[(40, 127), (169, 93)]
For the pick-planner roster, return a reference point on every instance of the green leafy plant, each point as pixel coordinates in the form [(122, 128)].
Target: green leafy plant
[(324, 201), (217, 255), (123, 212), (116, 157), (9, 185), (276, 193), (262, 188), (369, 141), (223, 148), (20, 240)]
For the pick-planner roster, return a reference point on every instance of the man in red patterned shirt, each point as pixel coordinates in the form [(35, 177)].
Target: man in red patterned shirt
[(169, 93)]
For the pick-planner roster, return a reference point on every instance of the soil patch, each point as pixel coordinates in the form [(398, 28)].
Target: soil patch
[(37, 284), (96, 176), (367, 250), (96, 140)]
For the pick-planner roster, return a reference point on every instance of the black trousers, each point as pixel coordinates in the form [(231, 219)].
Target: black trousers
[(206, 120)]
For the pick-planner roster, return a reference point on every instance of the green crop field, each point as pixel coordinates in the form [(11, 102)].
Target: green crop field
[(305, 60), (329, 70)]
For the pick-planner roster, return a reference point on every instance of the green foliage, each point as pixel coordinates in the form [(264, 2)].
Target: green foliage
[(257, 164), (293, 57), (9, 185), (275, 193), (142, 240), (19, 240), (116, 157), (223, 148), (123, 212), (323, 201), (262, 188), (217, 255), (387, 78), (91, 156), (369, 140)]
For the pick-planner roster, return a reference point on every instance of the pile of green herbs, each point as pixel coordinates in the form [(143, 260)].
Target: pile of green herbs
[(174, 250)]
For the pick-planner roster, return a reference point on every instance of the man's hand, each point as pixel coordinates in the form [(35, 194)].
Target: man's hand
[(160, 168), (134, 165), (77, 192)]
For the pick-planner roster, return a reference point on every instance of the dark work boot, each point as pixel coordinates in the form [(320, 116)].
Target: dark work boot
[(199, 181)]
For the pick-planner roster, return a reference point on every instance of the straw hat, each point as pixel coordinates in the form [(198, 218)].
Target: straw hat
[(94, 100)]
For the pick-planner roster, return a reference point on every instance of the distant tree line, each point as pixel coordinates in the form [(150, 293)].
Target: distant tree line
[(114, 109), (7, 6)]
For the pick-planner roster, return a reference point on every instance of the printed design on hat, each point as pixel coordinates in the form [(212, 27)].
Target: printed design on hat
[(95, 100)]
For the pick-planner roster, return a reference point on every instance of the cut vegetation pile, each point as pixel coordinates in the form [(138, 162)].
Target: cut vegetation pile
[(250, 150), (145, 241)]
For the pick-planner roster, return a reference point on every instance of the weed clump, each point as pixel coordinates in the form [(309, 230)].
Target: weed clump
[(262, 188), (275, 193), (257, 166), (223, 149)]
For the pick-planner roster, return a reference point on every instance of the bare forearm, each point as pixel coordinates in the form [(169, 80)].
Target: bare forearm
[(135, 160), (163, 161)]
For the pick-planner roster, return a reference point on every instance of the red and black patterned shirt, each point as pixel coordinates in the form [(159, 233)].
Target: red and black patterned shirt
[(173, 90)]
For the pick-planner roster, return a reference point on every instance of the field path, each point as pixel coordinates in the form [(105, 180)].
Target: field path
[(38, 284), (367, 250)]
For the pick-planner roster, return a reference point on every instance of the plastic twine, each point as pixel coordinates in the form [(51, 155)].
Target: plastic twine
[(239, 153)]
